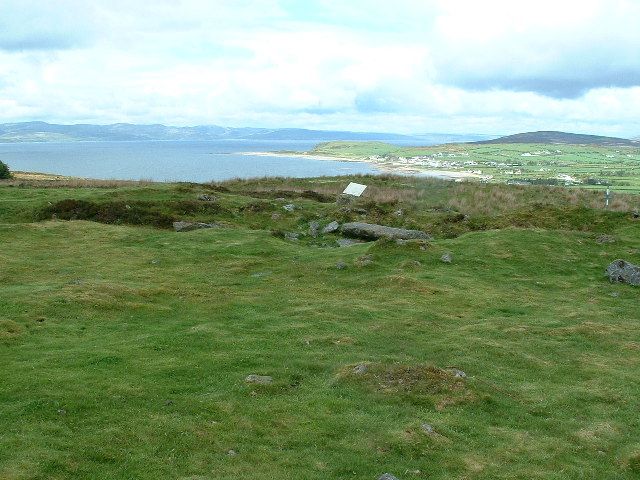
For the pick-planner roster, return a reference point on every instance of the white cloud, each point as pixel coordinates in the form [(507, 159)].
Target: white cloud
[(410, 66)]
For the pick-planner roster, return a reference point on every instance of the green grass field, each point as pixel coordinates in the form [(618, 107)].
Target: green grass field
[(590, 166), (124, 347)]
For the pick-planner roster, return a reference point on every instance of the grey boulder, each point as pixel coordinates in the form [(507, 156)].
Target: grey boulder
[(313, 228), (371, 231), (332, 227), (623, 272)]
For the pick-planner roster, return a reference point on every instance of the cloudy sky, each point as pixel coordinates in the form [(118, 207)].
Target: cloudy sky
[(409, 66)]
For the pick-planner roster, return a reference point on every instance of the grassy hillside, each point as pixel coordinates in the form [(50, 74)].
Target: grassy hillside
[(125, 346), (590, 166)]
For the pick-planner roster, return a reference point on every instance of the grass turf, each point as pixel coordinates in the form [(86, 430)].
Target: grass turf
[(124, 348)]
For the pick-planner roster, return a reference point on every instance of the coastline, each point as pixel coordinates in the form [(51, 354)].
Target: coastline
[(383, 167)]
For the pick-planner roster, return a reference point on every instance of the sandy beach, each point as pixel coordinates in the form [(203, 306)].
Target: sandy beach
[(386, 167)]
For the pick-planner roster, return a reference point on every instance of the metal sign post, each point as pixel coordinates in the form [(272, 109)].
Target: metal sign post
[(607, 197)]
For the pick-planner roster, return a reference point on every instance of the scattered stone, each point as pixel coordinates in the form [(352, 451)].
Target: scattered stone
[(446, 258), (364, 260), (399, 213), (259, 379), (289, 207), (232, 453), (155, 262), (62, 411), (614, 294), (314, 227), (370, 231), (341, 265), (292, 236), (360, 369), (332, 227), (206, 198), (189, 226), (427, 428), (456, 373), (347, 242), (605, 239), (387, 476), (623, 272), (275, 216)]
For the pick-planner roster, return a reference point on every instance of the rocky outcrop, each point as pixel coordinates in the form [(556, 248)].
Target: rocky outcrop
[(371, 231), (623, 272)]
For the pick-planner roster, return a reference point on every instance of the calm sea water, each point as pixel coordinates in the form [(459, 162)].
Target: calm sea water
[(172, 161)]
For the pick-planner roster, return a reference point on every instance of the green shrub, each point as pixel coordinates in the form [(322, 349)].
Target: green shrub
[(4, 171)]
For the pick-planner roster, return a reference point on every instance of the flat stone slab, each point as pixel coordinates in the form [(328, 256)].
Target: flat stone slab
[(371, 231), (189, 226), (259, 379), (623, 272)]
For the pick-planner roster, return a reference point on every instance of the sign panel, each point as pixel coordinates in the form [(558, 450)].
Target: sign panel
[(354, 189)]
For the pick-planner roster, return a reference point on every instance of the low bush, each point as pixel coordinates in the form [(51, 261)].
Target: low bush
[(5, 173)]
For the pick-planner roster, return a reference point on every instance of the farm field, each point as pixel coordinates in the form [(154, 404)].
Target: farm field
[(589, 166)]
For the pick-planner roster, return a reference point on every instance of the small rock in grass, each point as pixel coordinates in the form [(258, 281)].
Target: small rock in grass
[(341, 265), (259, 379), (427, 428), (446, 258), (332, 227), (232, 453), (275, 216), (189, 226), (457, 373), (614, 294), (289, 207), (387, 476), (206, 198), (360, 369), (605, 239), (313, 228), (168, 402), (280, 199), (398, 213), (292, 236), (62, 411)]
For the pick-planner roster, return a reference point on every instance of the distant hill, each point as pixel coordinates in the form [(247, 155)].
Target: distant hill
[(563, 138), (46, 132)]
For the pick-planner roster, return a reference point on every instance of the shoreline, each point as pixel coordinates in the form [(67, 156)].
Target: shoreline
[(383, 167)]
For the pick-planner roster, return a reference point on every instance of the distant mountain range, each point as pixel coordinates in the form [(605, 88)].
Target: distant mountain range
[(46, 132), (563, 138)]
